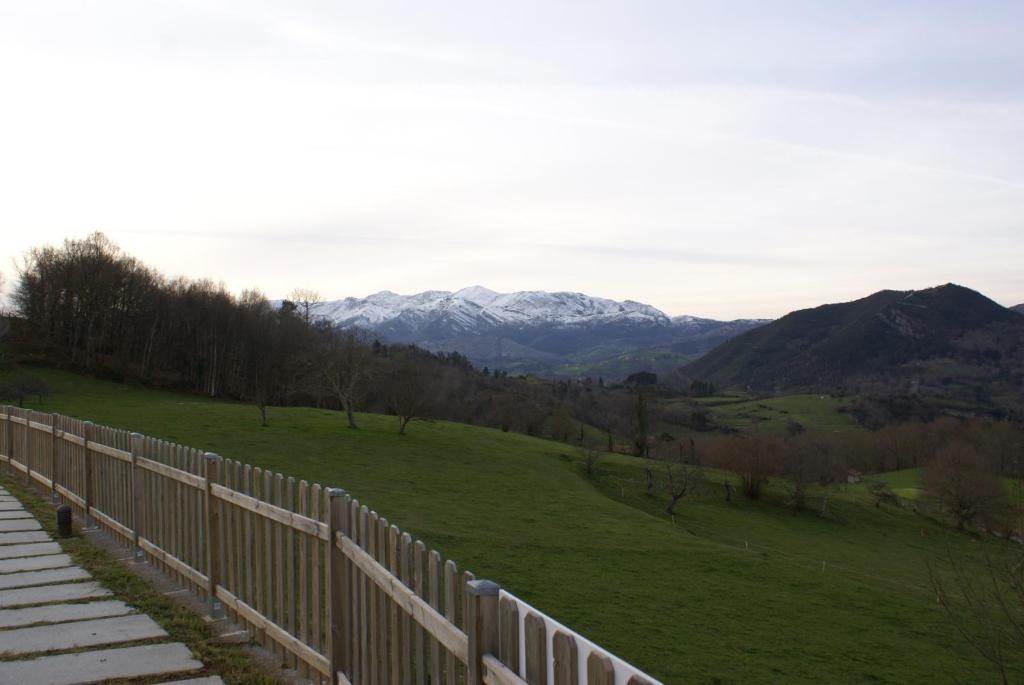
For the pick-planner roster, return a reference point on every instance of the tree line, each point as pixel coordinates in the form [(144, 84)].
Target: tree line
[(87, 305)]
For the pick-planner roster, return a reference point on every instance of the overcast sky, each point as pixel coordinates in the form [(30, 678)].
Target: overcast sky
[(723, 159)]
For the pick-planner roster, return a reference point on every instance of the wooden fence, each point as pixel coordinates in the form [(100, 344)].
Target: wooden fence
[(325, 583)]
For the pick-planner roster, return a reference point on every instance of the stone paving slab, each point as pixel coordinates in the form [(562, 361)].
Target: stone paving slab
[(52, 593), (60, 613), (34, 563), (30, 578), (97, 666), (209, 680), (23, 537), (102, 631), (16, 514), (11, 506), (32, 549), (19, 525)]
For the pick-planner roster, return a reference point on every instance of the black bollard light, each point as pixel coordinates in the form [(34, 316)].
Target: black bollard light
[(64, 521)]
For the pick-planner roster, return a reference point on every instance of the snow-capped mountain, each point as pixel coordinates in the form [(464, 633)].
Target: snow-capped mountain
[(474, 308), (559, 333)]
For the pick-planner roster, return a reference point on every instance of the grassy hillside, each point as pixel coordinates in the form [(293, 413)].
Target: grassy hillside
[(734, 592), (772, 415)]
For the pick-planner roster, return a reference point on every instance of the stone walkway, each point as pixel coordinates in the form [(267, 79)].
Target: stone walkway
[(59, 627)]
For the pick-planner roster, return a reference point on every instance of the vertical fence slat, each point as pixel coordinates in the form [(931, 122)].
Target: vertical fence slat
[(536, 650), (566, 659), (600, 670), (419, 552), (451, 575)]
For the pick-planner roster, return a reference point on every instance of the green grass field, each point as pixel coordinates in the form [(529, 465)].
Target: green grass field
[(734, 592), (772, 415)]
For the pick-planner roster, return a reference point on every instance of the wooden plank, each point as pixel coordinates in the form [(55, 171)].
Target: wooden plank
[(450, 637), (434, 565), (316, 498), (303, 577), (247, 542), (393, 616), (451, 575), (73, 439), (536, 650), (112, 452), (303, 524), (496, 673), (259, 576), (290, 589), (266, 492), (600, 670), (280, 612), (418, 559), (176, 474), (374, 604), (124, 531), (361, 591), (306, 655), (175, 564), (566, 659), (383, 600), (70, 496), (508, 631), (405, 570)]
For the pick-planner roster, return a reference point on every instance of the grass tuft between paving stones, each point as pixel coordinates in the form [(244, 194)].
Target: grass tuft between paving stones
[(228, 660)]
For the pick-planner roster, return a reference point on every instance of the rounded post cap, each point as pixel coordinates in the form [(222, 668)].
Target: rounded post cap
[(483, 588), (211, 456), (336, 492)]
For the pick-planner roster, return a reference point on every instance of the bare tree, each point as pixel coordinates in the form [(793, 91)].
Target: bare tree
[(963, 484), (684, 475), (408, 388), (347, 367), (305, 301), (591, 457), (753, 458), (986, 609)]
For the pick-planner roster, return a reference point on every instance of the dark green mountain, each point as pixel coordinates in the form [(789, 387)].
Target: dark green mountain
[(1019, 308), (940, 335)]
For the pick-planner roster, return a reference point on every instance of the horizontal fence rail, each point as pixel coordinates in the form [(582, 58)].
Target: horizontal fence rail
[(328, 585)]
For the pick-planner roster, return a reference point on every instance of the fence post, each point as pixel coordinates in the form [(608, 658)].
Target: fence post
[(54, 497), (482, 626), (337, 587), (135, 492), (90, 522), (214, 548)]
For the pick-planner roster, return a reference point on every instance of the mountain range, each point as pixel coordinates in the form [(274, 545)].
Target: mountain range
[(949, 338), (547, 333)]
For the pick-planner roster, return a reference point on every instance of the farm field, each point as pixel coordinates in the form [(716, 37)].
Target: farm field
[(772, 415), (727, 592)]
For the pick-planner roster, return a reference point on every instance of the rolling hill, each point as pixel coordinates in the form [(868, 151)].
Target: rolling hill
[(724, 592), (1019, 308), (944, 335)]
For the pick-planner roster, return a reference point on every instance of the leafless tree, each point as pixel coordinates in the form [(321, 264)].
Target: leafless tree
[(963, 484), (306, 301), (684, 475), (591, 457), (347, 366), (986, 609), (409, 387)]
